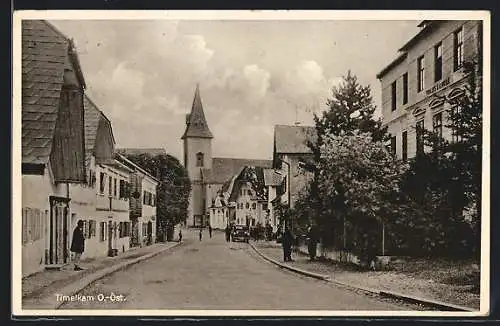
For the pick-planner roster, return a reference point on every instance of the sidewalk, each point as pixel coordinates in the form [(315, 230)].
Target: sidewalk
[(38, 287), (392, 281)]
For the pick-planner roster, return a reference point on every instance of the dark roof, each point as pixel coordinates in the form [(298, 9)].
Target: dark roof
[(92, 117), (196, 124), (293, 139), (391, 65), (254, 175), (426, 27), (272, 178), (44, 58), (139, 151), (223, 169)]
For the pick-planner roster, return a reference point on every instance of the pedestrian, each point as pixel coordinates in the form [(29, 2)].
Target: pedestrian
[(180, 235), (210, 230), (78, 244), (200, 234), (287, 245), (312, 242), (228, 233)]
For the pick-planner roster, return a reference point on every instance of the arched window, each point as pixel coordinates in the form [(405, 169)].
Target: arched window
[(199, 159), (254, 206), (247, 205)]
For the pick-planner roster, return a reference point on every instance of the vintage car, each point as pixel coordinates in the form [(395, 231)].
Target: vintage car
[(240, 233)]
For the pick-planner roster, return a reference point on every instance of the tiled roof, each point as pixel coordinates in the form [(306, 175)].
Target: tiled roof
[(44, 56), (91, 118), (293, 139), (139, 151), (223, 169), (196, 123), (272, 178)]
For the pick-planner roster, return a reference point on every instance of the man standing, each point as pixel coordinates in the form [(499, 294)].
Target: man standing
[(287, 244), (78, 244), (228, 233), (312, 242), (210, 230), (180, 235), (200, 234)]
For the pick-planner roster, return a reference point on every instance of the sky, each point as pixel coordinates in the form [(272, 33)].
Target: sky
[(252, 74)]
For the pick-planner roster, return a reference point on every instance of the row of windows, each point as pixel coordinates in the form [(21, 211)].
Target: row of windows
[(458, 59), (219, 211), (117, 188), (248, 192), (247, 206), (90, 229), (149, 199), (437, 128)]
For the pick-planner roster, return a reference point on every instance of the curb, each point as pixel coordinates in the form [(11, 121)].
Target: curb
[(50, 302), (383, 293), (293, 269)]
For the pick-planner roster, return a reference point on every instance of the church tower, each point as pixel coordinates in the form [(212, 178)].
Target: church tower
[(197, 157)]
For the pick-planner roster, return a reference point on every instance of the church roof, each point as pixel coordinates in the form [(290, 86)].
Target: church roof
[(223, 169), (196, 124), (139, 151)]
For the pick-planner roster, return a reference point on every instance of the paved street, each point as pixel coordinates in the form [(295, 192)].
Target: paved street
[(213, 274)]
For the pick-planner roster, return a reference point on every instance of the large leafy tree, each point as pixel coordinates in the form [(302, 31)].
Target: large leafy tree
[(172, 192), (368, 196), (350, 110)]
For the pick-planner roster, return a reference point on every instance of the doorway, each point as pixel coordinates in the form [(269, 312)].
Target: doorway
[(58, 233)]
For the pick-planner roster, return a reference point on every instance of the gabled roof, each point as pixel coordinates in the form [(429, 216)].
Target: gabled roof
[(196, 124), (45, 54), (272, 178), (93, 116), (255, 176), (139, 151), (293, 139), (223, 169)]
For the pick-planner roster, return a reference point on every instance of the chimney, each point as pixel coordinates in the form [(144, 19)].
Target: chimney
[(187, 119)]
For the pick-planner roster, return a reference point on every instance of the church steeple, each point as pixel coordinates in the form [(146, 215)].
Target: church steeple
[(196, 124)]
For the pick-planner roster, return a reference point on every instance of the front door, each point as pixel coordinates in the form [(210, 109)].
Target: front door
[(58, 251)]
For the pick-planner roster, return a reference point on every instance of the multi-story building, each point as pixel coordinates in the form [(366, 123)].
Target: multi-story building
[(53, 144), (419, 86), (103, 203), (143, 201)]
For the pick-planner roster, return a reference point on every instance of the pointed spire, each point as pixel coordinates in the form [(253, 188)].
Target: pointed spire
[(196, 124)]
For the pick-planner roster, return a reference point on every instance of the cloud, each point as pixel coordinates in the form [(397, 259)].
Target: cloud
[(143, 74)]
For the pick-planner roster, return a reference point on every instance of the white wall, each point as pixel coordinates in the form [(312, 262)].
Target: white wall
[(36, 190)]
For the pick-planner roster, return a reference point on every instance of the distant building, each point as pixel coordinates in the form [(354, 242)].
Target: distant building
[(207, 174), (291, 151), (428, 70)]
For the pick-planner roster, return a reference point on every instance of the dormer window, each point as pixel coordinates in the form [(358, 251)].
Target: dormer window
[(199, 159)]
